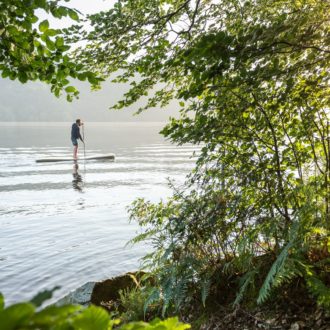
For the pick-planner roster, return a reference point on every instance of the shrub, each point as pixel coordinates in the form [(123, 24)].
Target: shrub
[(72, 317)]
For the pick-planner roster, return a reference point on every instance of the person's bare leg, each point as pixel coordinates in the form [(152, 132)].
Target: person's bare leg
[(75, 151)]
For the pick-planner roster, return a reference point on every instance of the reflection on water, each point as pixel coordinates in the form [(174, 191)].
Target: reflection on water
[(77, 182), (66, 224)]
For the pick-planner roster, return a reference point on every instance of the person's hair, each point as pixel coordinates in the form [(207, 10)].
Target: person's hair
[(77, 121)]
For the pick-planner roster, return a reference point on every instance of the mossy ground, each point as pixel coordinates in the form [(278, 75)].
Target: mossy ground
[(292, 308)]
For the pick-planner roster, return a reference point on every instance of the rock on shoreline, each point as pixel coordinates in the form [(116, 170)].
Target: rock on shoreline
[(80, 296), (99, 293)]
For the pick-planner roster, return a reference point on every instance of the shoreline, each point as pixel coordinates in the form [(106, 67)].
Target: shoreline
[(287, 312)]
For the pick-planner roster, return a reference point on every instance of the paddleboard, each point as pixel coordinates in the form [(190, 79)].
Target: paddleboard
[(52, 160)]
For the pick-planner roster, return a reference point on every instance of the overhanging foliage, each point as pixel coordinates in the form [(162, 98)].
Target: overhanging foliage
[(30, 49), (252, 78)]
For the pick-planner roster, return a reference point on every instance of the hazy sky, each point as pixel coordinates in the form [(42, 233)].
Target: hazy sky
[(34, 102)]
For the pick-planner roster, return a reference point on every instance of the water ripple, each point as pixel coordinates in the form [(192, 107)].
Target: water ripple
[(63, 225)]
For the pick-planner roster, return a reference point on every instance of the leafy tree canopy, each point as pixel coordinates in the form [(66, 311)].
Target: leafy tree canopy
[(31, 50), (252, 78)]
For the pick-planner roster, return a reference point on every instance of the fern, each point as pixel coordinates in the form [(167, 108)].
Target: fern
[(290, 270), (245, 281), (274, 271), (167, 285), (179, 292), (205, 289), (317, 288), (148, 234), (154, 296)]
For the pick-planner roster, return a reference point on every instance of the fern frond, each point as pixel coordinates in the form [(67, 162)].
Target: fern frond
[(167, 252), (154, 296), (179, 292), (273, 272), (205, 289), (148, 234), (318, 288), (166, 295), (245, 281), (290, 270)]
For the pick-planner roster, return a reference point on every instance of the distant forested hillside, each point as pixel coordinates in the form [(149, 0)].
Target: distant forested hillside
[(34, 102)]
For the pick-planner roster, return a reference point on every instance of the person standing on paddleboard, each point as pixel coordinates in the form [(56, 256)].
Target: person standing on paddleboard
[(75, 135)]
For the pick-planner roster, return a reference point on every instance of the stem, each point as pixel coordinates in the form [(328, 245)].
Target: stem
[(277, 159)]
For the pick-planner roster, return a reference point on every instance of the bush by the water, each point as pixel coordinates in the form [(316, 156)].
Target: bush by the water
[(72, 317)]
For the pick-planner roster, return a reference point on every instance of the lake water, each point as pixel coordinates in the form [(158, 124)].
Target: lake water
[(62, 225)]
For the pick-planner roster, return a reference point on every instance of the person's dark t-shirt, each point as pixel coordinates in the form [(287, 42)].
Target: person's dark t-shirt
[(75, 132)]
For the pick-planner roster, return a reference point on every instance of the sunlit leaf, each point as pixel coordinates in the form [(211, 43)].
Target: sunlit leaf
[(43, 26)]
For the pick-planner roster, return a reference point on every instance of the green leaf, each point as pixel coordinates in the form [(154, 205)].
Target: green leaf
[(41, 3), (51, 32), (12, 30), (55, 315), (174, 323), (92, 318), (34, 19), (22, 77), (12, 75), (62, 11), (73, 15), (64, 48), (70, 89), (50, 44), (5, 73), (59, 42), (157, 324), (43, 26), (15, 316), (2, 302), (82, 76), (92, 78)]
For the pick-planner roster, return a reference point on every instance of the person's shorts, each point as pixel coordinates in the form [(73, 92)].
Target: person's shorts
[(74, 141)]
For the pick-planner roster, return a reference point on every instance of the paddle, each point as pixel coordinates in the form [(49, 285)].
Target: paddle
[(83, 131)]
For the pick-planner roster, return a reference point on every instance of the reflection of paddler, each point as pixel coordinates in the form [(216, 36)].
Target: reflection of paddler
[(77, 178)]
